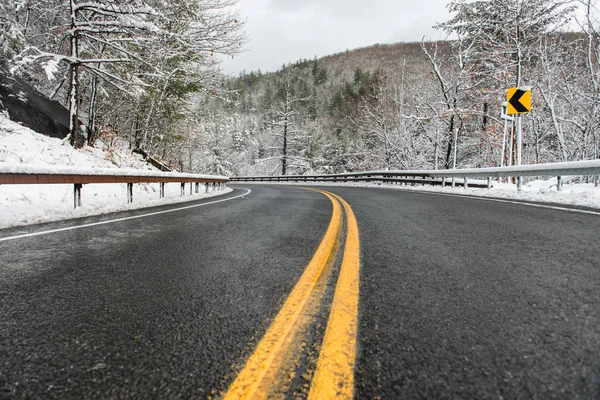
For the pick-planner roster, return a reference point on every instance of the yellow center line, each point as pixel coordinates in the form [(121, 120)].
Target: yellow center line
[(334, 376), (259, 373)]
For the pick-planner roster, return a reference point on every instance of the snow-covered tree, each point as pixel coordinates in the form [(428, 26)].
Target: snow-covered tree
[(135, 45), (505, 34), (11, 30), (507, 38)]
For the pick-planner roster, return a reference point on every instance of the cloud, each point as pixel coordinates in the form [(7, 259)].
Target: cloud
[(284, 31)]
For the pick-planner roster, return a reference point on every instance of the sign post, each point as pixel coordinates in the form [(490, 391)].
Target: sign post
[(504, 115), (519, 103)]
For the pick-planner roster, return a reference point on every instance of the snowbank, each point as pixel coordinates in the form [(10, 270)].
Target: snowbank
[(25, 151), (543, 191)]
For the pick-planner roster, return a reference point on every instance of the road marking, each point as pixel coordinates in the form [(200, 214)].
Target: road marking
[(334, 376), (27, 235), (258, 377), (517, 202)]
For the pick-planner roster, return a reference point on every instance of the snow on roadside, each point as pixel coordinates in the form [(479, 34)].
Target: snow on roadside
[(539, 191), (30, 204), (21, 145)]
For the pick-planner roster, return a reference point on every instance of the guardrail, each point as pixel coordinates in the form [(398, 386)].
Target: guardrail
[(440, 177), (25, 174)]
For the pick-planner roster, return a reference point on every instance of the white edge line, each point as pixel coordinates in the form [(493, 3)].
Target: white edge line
[(26, 235), (484, 198), (510, 202)]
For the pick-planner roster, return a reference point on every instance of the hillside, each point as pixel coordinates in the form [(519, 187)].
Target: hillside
[(318, 102), (391, 58), (399, 106)]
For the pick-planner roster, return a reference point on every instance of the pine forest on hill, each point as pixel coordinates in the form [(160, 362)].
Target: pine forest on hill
[(397, 106)]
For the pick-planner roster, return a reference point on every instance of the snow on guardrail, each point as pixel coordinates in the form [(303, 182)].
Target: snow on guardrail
[(32, 169), (574, 168), (591, 167)]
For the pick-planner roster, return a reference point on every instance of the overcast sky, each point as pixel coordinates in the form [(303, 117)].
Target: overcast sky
[(283, 31)]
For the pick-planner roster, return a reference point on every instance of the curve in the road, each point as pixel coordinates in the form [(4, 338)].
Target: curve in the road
[(262, 374), (334, 377)]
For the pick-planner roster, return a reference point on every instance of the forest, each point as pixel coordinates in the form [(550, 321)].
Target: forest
[(147, 72)]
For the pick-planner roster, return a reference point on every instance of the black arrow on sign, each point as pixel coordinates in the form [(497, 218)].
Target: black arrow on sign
[(514, 101)]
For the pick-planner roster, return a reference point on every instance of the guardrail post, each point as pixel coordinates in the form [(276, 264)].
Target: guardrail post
[(559, 183), (206, 187), (77, 195), (489, 182), (519, 183), (162, 190), (197, 187), (453, 183), (129, 193), (465, 183), (597, 180), (443, 181), (182, 189)]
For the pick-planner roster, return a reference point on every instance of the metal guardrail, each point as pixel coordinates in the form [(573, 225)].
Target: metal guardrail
[(24, 174), (440, 177)]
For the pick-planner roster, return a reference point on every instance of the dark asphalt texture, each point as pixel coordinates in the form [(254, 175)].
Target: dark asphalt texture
[(460, 298), (158, 307), (474, 299)]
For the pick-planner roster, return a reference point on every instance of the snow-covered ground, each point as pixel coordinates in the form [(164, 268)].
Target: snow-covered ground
[(29, 204), (542, 191)]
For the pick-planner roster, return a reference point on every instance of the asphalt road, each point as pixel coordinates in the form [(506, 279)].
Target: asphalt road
[(459, 298)]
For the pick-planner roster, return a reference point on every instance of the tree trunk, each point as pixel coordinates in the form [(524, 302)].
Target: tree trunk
[(450, 142), (74, 85), (435, 155), (74, 106), (285, 131), (284, 158), (137, 132), (92, 129)]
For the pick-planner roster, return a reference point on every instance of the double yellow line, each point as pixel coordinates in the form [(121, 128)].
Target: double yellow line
[(261, 376)]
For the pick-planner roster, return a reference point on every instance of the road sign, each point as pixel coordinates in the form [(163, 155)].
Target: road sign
[(519, 101)]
